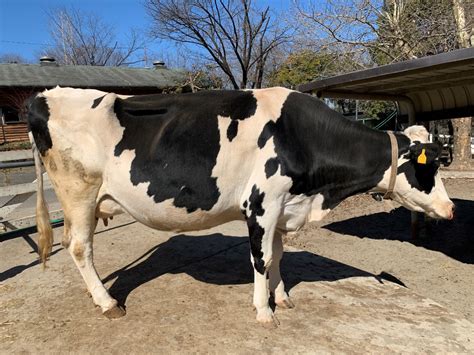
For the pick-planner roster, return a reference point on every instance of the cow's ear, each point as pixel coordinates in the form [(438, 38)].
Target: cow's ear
[(417, 133), (425, 153)]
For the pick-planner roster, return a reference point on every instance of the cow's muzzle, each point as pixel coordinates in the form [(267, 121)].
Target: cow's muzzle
[(443, 211)]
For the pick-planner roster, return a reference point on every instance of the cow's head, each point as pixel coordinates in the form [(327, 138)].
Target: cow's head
[(418, 185)]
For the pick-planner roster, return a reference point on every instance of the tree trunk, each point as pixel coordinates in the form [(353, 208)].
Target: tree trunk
[(461, 126), (462, 143), (459, 9)]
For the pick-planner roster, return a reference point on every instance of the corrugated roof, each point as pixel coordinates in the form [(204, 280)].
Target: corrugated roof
[(439, 86), (83, 76)]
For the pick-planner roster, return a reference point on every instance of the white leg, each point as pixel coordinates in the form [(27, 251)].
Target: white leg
[(81, 227), (260, 298), (277, 287)]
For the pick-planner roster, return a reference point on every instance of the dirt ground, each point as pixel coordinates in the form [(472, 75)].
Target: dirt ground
[(359, 282), (375, 237)]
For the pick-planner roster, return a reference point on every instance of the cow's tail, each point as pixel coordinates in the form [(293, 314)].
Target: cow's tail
[(43, 224)]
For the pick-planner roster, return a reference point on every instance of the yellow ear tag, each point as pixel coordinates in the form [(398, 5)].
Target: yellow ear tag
[(422, 157)]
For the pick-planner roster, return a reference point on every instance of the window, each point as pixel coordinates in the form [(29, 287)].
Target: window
[(9, 115)]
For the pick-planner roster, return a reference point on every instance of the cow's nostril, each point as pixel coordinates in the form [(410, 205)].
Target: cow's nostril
[(453, 208)]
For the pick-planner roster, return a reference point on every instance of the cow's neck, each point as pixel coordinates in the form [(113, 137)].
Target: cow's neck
[(357, 164), (328, 154)]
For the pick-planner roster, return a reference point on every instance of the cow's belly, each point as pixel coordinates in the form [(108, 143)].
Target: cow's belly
[(167, 217), (164, 215)]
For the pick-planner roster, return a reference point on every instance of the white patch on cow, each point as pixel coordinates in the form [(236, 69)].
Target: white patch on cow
[(70, 111), (417, 133), (436, 204), (244, 146), (270, 102), (301, 209), (317, 212), (295, 212)]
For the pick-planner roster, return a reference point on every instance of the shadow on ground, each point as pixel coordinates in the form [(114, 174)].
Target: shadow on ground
[(453, 238), (18, 269), (223, 260)]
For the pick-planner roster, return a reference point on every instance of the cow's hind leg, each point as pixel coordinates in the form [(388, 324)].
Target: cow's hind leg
[(81, 225), (277, 287), (77, 189)]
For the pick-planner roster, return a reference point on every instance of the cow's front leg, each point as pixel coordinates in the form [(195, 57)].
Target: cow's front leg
[(261, 218), (277, 287)]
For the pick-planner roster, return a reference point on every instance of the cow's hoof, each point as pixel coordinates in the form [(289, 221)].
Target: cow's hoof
[(114, 312), (268, 320), (285, 303), (273, 323)]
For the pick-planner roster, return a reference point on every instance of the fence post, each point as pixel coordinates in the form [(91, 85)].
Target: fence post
[(3, 126)]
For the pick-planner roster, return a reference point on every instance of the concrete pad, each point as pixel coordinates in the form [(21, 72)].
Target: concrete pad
[(188, 294)]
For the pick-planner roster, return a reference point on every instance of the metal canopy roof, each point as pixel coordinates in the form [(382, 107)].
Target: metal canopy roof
[(430, 88)]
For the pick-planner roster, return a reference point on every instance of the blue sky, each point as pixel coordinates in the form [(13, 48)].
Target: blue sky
[(24, 23)]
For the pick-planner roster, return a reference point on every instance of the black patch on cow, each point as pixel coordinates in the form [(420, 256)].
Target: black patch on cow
[(245, 204), (238, 105), (271, 167), (38, 116), (176, 141), (97, 101), (259, 265), (267, 132), (323, 152), (256, 231), (232, 130), (138, 112), (239, 108), (420, 177), (432, 152)]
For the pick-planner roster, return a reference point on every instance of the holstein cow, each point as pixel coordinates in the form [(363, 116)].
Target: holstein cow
[(275, 158)]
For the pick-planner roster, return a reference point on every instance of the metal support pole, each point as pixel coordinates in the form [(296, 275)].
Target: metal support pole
[(417, 219)]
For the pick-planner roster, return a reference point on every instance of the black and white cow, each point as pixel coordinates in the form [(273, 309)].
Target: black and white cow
[(273, 157)]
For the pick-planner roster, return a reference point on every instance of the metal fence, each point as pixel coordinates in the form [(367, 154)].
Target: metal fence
[(13, 198)]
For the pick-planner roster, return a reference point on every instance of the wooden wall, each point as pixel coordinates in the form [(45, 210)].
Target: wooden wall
[(13, 132)]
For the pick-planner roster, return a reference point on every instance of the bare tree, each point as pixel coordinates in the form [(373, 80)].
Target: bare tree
[(389, 30), (84, 39), (234, 34)]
